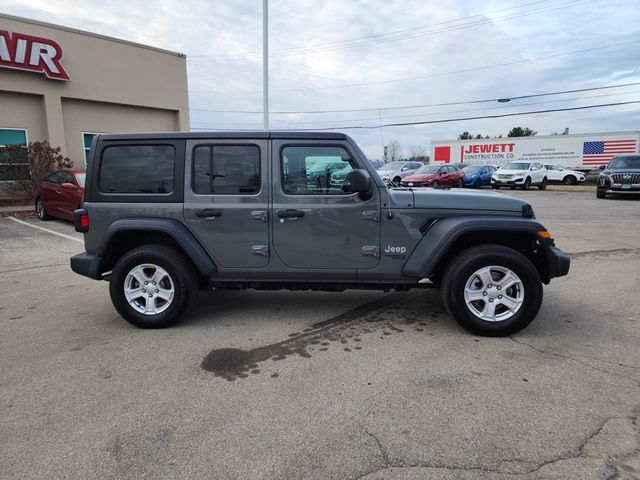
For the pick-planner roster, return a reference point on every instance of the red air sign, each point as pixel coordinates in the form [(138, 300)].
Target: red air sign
[(34, 54)]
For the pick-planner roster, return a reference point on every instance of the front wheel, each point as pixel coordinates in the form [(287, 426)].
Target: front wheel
[(41, 210), (527, 184), (601, 194), (570, 180), (460, 182), (152, 286), (543, 185), (492, 290), (435, 184)]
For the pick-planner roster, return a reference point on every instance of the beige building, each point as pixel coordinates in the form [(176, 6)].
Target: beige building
[(65, 85)]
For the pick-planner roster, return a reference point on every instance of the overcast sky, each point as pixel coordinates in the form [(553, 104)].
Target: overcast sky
[(377, 54)]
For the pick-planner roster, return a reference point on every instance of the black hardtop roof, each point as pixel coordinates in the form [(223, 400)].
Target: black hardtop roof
[(259, 134)]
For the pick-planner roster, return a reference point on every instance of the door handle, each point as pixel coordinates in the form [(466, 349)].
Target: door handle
[(208, 213), (290, 213)]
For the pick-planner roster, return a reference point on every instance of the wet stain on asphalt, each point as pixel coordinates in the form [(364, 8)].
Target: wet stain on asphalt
[(381, 315)]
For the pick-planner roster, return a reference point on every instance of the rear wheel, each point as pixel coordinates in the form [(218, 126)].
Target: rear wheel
[(152, 286), (543, 185), (41, 210), (492, 290)]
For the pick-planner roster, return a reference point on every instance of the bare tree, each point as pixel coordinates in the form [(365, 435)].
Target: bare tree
[(417, 153), (28, 166), (394, 151)]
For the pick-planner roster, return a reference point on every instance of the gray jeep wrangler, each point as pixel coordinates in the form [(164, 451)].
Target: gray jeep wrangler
[(165, 215)]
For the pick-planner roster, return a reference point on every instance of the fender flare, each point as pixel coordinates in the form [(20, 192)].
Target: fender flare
[(442, 233), (176, 230)]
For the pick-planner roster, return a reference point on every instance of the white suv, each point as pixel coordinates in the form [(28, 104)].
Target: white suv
[(520, 175), (557, 173)]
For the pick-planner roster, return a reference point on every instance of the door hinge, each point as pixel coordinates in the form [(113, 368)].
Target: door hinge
[(371, 215), (370, 251), (260, 250), (260, 215)]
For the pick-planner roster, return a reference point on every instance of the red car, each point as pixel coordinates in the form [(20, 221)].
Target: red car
[(435, 176), (60, 194)]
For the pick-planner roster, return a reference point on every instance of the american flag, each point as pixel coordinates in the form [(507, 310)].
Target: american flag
[(599, 153)]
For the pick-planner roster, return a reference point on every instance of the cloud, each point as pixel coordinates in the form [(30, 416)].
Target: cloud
[(315, 64)]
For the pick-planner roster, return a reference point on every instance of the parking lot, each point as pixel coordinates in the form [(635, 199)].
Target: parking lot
[(324, 385)]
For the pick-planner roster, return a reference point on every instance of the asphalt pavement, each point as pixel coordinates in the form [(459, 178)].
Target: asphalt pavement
[(296, 385)]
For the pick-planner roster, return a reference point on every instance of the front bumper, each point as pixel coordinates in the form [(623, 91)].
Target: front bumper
[(87, 265), (507, 181), (558, 262)]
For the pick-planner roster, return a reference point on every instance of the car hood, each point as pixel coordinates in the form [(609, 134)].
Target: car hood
[(466, 200), (420, 177), (510, 172), (388, 173), (620, 170)]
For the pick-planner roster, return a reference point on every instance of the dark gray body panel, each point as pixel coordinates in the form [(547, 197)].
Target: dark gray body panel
[(445, 231)]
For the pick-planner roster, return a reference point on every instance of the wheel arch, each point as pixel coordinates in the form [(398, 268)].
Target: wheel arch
[(126, 234), (450, 236)]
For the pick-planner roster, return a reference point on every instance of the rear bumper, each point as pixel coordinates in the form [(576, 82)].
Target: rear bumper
[(87, 265)]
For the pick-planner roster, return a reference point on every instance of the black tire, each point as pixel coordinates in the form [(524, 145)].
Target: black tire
[(569, 180), (461, 270), (435, 184), (601, 194), (495, 187), (180, 271), (397, 180), (41, 211), (543, 185), (527, 184), (477, 183), (459, 184)]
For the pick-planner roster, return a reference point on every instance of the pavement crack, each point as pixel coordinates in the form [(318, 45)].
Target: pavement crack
[(580, 361)]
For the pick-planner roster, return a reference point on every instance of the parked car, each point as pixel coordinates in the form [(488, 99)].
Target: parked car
[(396, 171), (478, 175), (622, 175), (377, 164), (560, 174), (60, 194), (434, 176), (520, 175), (272, 230)]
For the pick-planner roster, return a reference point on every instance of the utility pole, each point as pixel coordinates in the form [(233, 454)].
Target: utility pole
[(265, 64)]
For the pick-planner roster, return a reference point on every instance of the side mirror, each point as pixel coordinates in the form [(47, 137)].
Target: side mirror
[(361, 183), (68, 186), (602, 167)]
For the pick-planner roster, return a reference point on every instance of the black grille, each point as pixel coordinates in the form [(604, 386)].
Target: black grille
[(626, 177)]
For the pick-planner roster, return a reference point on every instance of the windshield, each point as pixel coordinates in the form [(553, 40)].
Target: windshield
[(625, 162), (81, 177), (471, 169), (516, 166), (392, 166), (428, 169)]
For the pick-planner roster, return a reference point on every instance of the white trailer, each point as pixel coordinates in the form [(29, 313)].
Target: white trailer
[(575, 151)]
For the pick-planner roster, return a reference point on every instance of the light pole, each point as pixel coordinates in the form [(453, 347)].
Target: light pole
[(265, 64)]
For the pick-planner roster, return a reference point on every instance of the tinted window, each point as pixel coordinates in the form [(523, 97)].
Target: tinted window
[(625, 162), (54, 177), (66, 177), (137, 169), (226, 169), (313, 170)]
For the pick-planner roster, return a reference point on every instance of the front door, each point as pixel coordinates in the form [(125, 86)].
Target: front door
[(316, 223), (226, 200)]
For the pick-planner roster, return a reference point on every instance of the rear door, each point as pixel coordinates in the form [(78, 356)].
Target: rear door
[(50, 191), (69, 198), (226, 199), (321, 228)]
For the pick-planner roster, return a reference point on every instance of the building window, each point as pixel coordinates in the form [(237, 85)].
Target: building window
[(13, 165), (87, 138), (226, 169)]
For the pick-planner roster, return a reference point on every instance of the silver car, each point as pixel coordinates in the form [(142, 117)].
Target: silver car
[(396, 171)]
